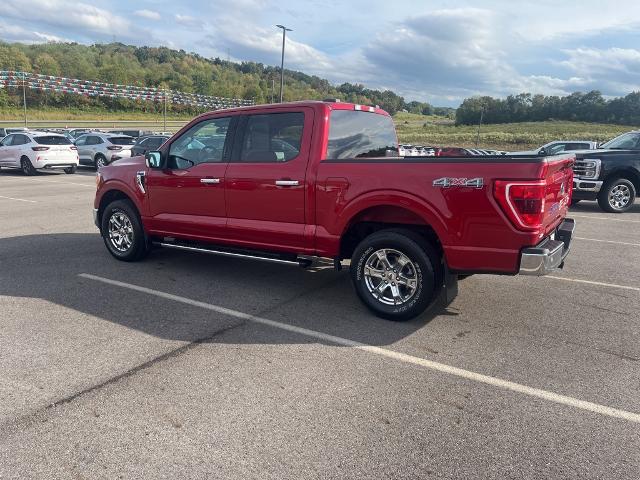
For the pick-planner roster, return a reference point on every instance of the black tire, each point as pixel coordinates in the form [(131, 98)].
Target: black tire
[(574, 202), (70, 170), (99, 161), (424, 267), (139, 246), (27, 167), (617, 195)]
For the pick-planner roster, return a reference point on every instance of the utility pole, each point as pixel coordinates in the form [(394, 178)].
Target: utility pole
[(479, 124), (284, 36), (24, 96)]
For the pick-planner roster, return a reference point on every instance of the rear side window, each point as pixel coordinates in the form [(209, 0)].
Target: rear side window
[(356, 134), (52, 140), (121, 140), (273, 137)]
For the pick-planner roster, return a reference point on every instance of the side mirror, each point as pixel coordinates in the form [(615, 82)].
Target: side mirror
[(542, 151), (153, 159)]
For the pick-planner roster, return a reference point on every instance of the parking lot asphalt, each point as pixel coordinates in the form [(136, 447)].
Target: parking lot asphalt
[(195, 366)]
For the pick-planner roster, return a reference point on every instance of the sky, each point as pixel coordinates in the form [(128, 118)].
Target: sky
[(439, 51)]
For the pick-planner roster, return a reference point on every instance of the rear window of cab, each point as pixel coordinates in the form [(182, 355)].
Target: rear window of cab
[(358, 134)]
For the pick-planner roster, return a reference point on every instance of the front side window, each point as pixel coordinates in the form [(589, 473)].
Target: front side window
[(357, 134), (557, 148), (8, 140), (202, 143), (273, 137)]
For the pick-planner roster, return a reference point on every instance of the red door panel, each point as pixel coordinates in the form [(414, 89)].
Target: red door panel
[(266, 182)]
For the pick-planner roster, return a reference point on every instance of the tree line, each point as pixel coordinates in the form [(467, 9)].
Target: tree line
[(176, 70), (525, 107)]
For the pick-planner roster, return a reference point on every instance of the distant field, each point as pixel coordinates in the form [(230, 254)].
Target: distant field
[(419, 130), (412, 129)]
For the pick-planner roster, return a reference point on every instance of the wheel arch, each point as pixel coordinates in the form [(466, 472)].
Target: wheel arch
[(112, 195), (630, 174), (383, 216)]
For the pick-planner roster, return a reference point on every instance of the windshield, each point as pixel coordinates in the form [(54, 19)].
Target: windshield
[(52, 140), (626, 141)]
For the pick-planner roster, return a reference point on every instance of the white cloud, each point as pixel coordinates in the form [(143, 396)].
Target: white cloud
[(16, 33), (188, 21), (148, 14)]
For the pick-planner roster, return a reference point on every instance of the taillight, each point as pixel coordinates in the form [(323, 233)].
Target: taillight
[(39, 149), (73, 148), (522, 202), (114, 147)]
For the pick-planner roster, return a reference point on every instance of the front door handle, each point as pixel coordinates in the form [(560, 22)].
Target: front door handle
[(210, 181), (287, 183)]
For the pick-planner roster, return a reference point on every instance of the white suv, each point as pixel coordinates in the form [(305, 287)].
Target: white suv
[(99, 149), (32, 151)]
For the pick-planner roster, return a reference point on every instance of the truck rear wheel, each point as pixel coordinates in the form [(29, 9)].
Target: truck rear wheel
[(396, 274), (122, 231), (617, 195)]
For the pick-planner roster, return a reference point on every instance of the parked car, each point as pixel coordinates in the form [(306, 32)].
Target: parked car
[(453, 152), (6, 131), (610, 175), (223, 185), (98, 149), (148, 144), (32, 151), (559, 146), (134, 133)]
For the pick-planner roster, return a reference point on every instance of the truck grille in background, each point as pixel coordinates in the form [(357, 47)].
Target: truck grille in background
[(587, 168)]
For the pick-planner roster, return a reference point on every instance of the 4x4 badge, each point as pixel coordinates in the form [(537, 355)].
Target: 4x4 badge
[(447, 182)]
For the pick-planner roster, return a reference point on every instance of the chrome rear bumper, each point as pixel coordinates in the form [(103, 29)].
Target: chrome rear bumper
[(545, 257)]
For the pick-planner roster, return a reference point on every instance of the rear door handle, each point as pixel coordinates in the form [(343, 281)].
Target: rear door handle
[(287, 183), (210, 181)]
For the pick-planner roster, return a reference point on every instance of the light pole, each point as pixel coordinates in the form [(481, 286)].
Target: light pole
[(284, 36), (24, 96)]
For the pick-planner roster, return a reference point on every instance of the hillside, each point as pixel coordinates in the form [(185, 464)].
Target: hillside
[(176, 70)]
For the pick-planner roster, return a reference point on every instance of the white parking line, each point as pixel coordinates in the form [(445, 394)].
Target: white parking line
[(421, 362), (600, 284), (604, 218), (19, 199), (608, 241), (25, 180)]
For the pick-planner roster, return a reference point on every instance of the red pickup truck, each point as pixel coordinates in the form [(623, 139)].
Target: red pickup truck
[(296, 181)]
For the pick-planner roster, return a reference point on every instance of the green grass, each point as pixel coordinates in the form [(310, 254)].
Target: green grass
[(419, 130)]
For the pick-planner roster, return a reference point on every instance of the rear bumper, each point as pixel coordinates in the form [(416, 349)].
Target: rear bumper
[(550, 253)]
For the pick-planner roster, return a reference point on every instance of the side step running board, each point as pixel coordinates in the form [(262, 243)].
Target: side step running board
[(300, 262)]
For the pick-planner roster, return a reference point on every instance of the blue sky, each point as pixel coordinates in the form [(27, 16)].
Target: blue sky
[(437, 51)]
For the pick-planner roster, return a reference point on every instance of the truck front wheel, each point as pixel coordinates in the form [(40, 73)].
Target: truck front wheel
[(617, 195), (396, 273), (122, 231)]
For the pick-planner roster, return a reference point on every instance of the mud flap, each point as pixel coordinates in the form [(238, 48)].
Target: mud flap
[(450, 286)]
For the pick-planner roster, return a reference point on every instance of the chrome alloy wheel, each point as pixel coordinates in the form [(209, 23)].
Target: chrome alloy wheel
[(619, 196), (390, 276), (120, 232)]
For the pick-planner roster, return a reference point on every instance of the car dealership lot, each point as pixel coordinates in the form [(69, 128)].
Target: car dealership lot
[(152, 377)]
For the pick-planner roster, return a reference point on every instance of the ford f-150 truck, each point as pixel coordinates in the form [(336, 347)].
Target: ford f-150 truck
[(610, 175), (295, 181)]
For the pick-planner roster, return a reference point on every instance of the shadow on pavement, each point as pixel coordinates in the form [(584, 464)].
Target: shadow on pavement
[(47, 267)]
